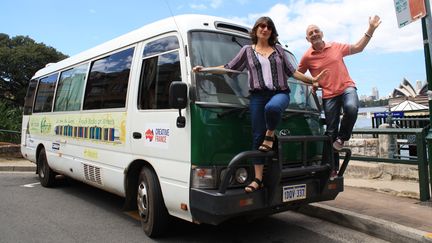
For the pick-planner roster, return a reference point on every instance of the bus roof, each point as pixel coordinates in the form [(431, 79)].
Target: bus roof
[(180, 23)]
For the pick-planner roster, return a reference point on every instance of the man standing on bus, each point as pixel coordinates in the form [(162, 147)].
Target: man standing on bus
[(339, 90)]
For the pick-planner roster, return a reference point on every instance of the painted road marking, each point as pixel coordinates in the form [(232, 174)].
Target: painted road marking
[(31, 184)]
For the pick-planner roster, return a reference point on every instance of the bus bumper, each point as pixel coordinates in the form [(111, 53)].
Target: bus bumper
[(212, 207)]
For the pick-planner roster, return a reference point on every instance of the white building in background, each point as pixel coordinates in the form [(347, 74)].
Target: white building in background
[(419, 85), (375, 93), (373, 96)]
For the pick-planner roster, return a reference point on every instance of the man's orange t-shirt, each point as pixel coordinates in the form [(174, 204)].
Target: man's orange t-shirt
[(337, 78)]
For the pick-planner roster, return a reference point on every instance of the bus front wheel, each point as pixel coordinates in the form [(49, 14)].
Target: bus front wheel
[(151, 207), (46, 175)]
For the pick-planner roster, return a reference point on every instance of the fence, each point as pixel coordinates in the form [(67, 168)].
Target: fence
[(401, 122), (420, 160)]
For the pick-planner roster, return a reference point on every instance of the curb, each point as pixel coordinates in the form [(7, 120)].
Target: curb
[(18, 168), (380, 228)]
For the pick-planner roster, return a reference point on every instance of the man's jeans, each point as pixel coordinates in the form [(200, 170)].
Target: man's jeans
[(349, 102)]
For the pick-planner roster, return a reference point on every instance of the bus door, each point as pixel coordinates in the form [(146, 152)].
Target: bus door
[(154, 134)]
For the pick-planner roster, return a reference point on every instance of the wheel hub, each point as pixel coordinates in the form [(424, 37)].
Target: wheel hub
[(142, 201)]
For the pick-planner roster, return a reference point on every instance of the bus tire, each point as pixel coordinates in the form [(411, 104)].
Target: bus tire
[(151, 207), (46, 175)]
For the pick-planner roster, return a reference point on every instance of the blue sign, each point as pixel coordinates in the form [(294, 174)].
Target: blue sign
[(398, 114)]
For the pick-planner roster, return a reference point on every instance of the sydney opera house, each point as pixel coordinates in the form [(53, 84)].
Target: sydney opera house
[(406, 91), (413, 101)]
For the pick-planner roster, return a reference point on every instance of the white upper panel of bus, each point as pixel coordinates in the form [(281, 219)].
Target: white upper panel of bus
[(180, 23)]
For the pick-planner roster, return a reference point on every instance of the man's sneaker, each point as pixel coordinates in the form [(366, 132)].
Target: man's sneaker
[(338, 144), (333, 175)]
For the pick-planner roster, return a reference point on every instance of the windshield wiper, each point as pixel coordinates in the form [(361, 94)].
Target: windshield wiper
[(242, 111), (233, 39)]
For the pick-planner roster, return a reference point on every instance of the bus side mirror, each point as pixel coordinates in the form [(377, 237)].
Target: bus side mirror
[(178, 95), (178, 100)]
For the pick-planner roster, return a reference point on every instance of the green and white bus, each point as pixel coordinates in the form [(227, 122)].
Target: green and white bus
[(130, 117)]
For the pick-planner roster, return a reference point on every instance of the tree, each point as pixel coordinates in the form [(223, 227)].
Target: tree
[(20, 58), (373, 103)]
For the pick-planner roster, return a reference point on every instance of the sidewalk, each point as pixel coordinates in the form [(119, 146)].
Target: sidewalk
[(386, 209), (376, 204), (389, 217), (16, 164)]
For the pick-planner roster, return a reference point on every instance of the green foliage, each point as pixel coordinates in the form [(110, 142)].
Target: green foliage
[(10, 121), (20, 58), (373, 103), (10, 118)]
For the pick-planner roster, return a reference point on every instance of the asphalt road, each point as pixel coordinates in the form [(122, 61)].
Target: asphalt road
[(75, 212)]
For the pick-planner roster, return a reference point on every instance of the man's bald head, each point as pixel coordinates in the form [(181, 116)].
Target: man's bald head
[(312, 27), (315, 36)]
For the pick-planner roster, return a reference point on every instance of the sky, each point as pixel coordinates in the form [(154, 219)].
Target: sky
[(392, 54)]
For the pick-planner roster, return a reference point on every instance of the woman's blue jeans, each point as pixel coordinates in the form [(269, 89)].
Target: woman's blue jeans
[(349, 102), (266, 108)]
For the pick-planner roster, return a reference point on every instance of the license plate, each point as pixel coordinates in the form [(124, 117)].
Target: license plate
[(294, 192)]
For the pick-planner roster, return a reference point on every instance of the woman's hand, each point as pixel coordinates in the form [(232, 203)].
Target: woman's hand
[(197, 69)]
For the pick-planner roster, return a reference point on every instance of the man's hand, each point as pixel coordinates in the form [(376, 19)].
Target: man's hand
[(319, 76), (374, 22)]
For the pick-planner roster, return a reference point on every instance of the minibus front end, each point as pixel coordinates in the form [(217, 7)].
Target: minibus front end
[(296, 172)]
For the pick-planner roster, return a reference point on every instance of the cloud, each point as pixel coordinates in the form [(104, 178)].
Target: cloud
[(342, 21), (206, 4), (216, 3), (198, 6)]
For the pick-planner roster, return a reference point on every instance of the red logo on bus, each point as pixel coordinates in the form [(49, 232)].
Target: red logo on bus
[(149, 135)]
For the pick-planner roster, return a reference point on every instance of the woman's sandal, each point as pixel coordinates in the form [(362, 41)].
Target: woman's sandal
[(250, 188), (265, 147)]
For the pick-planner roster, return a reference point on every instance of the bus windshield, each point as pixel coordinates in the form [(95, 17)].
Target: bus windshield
[(211, 49)]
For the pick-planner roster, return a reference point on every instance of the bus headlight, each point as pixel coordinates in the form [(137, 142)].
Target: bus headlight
[(204, 177), (241, 175)]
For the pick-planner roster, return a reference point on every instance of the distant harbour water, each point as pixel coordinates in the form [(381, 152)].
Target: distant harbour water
[(365, 114)]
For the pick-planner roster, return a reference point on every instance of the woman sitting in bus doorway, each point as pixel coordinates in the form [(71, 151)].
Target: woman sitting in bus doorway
[(269, 69)]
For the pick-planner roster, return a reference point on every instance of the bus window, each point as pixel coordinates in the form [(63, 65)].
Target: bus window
[(70, 89), (29, 98), (45, 94), (160, 46), (302, 97), (156, 76), (108, 81)]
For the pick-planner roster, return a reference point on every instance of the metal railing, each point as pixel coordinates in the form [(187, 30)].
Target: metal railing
[(10, 136), (401, 122), (420, 160)]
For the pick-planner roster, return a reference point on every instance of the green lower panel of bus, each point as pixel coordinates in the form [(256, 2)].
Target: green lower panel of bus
[(218, 134)]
